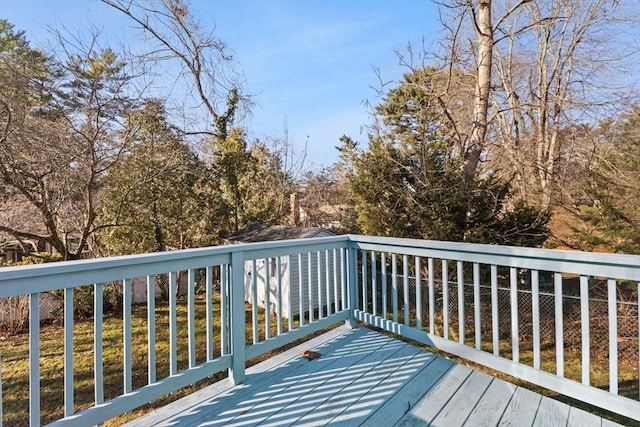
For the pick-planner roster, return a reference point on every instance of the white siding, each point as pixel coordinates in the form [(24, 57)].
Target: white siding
[(298, 281)]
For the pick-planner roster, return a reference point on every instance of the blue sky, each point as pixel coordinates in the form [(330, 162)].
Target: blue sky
[(311, 61)]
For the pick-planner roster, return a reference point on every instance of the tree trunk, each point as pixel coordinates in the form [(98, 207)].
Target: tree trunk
[(484, 32)]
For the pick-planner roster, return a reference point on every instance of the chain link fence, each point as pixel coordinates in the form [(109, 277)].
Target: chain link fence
[(627, 316)]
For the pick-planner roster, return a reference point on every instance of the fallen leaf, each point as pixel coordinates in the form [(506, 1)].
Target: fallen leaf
[(309, 354)]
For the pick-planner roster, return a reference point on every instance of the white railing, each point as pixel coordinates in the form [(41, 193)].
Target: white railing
[(513, 310), (214, 340), (504, 307)]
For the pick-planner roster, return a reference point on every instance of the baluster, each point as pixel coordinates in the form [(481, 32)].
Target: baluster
[(191, 316), (374, 284), (461, 320), (336, 294), (310, 285), (405, 288), (327, 281), (535, 317), (209, 311), (173, 324), (557, 288), (225, 328), (343, 277), (254, 301), (237, 320), (383, 270), (151, 328), (68, 352), (291, 291), (476, 306), (418, 294), (612, 304), (279, 295), (34, 359), (584, 324), (495, 325), (432, 297), (267, 298), (515, 336), (126, 326), (445, 299), (352, 280), (319, 284), (300, 291), (394, 286), (98, 368), (363, 255)]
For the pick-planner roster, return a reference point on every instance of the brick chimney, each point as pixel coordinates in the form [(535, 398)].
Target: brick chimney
[(295, 209)]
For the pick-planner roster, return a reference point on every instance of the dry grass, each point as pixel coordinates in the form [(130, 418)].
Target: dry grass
[(15, 360), (15, 363)]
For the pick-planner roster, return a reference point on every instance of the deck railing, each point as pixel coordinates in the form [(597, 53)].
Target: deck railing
[(513, 310), (507, 308)]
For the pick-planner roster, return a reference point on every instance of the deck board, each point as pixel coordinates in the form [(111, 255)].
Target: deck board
[(427, 408), (457, 410), (521, 409), (406, 397), (364, 378), (490, 408), (551, 413)]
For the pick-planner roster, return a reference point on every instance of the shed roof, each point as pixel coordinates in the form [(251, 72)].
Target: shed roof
[(262, 233)]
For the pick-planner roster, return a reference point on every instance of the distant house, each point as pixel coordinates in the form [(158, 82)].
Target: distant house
[(296, 285), (12, 251)]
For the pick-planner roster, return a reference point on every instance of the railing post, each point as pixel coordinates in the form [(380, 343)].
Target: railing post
[(352, 284), (238, 322)]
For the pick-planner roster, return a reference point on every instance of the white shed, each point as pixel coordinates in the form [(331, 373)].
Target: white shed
[(305, 280)]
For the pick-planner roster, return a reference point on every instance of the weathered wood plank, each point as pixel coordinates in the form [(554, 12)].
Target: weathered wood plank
[(522, 408), (427, 408), (492, 404), (334, 338), (365, 397), (405, 398), (315, 406), (582, 418), (551, 413), (457, 410)]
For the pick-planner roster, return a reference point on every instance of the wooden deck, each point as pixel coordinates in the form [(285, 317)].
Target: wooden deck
[(366, 378)]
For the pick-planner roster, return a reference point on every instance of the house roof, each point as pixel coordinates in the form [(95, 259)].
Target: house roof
[(262, 233)]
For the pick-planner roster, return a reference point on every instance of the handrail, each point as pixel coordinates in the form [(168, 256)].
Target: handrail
[(479, 302), (455, 289), (225, 343)]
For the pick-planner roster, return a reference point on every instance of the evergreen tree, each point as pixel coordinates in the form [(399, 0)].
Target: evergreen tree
[(151, 198), (410, 182)]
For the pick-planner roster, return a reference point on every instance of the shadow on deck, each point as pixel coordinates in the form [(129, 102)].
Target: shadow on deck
[(365, 378)]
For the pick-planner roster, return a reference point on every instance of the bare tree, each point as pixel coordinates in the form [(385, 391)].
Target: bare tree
[(481, 18), (540, 67), (469, 47), (62, 131), (176, 35), (554, 66)]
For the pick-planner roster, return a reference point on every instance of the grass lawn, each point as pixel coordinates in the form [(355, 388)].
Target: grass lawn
[(15, 360), (15, 363)]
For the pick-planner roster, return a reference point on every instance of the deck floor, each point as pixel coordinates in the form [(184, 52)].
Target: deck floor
[(369, 379)]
